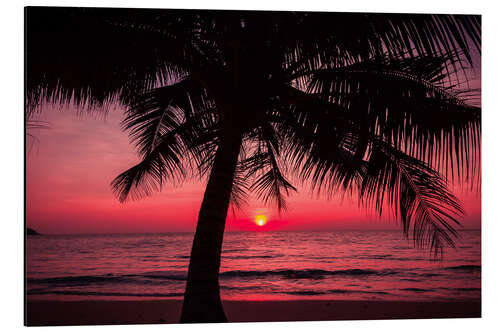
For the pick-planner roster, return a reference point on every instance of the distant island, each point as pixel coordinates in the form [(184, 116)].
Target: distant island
[(30, 231)]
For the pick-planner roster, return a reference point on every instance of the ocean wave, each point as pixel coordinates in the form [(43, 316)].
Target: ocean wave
[(304, 292), (340, 291), (100, 293), (465, 268), (390, 257), (373, 256), (150, 277), (333, 291), (76, 280), (251, 257), (467, 289), (82, 280), (429, 274), (168, 275), (303, 274), (243, 288), (461, 289), (351, 291), (418, 290)]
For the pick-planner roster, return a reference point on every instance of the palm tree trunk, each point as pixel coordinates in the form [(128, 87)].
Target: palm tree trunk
[(202, 301)]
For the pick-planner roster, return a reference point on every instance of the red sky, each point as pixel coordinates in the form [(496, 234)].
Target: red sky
[(70, 167)]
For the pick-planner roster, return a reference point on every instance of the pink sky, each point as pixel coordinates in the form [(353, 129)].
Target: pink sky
[(71, 165)]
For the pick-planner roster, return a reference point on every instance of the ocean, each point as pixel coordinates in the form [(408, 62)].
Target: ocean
[(274, 265)]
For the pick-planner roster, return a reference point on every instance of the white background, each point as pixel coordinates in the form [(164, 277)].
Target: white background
[(12, 164)]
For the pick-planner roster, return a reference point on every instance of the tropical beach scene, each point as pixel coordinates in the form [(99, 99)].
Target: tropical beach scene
[(197, 166)]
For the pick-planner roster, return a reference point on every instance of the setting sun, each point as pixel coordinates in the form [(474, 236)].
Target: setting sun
[(260, 220)]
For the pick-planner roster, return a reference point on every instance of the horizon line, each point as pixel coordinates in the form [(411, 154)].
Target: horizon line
[(227, 231)]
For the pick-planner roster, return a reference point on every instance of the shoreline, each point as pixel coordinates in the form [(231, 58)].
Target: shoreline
[(97, 312)]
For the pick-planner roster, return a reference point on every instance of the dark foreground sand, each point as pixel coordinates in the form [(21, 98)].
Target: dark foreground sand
[(41, 313)]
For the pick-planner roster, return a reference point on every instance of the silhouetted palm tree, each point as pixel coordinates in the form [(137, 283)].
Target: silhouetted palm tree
[(361, 103)]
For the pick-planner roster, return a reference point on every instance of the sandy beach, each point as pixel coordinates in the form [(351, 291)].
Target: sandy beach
[(52, 313)]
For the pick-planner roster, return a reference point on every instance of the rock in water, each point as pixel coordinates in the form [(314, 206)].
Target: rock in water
[(30, 231)]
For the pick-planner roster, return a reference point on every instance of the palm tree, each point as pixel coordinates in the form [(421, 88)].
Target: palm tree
[(255, 101)]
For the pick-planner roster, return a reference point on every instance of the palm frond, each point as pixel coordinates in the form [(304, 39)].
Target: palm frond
[(175, 130), (91, 57), (263, 166), (419, 196), (383, 176), (321, 156), (325, 151), (158, 111), (332, 39), (164, 162), (406, 104), (239, 196)]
